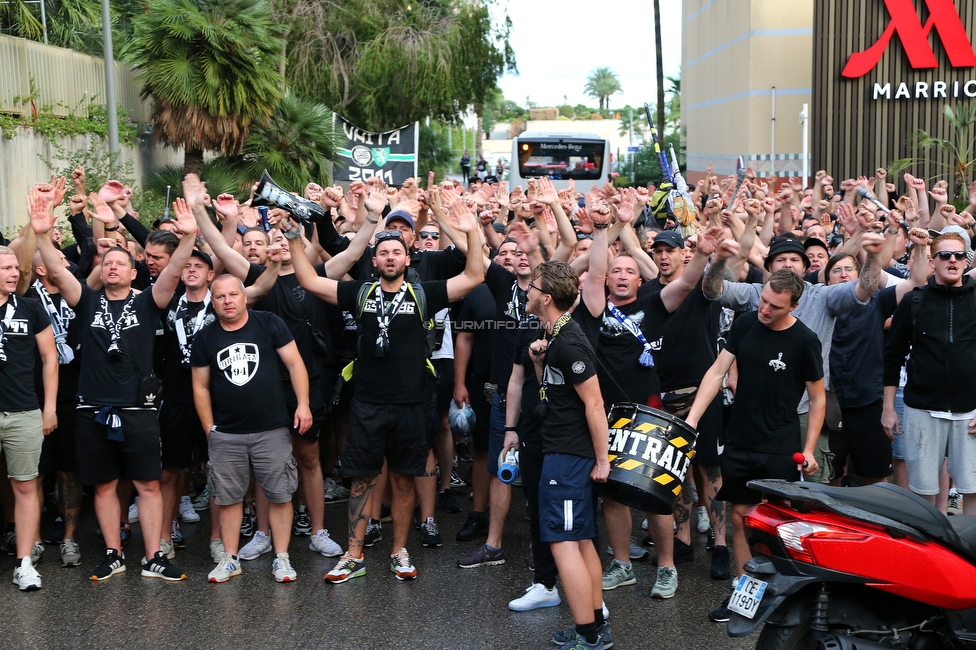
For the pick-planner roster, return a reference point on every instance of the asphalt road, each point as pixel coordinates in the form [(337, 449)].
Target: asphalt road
[(445, 607)]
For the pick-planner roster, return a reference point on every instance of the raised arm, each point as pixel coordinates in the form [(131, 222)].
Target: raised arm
[(225, 205), (340, 264), (42, 222), (594, 294), (464, 220), (567, 236), (266, 281), (324, 288), (674, 293), (920, 263), (870, 275), (169, 277)]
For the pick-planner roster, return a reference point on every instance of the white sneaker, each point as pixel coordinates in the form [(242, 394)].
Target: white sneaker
[(322, 543), (535, 597), (703, 521), (187, 514), (166, 546), (217, 549), (226, 569), (134, 511), (26, 576), (258, 546), (644, 524), (283, 572)]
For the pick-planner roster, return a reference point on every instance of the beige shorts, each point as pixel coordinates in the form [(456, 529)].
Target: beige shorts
[(21, 439)]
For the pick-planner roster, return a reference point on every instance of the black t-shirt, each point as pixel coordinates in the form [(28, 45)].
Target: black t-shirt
[(398, 377), (245, 386), (529, 424), (477, 311), (569, 361), (106, 381), (687, 347), (856, 352), (27, 319), (68, 372), (510, 316), (774, 367), (176, 375), (622, 377), (282, 300)]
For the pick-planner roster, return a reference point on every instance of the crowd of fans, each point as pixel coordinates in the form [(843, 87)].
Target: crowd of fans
[(304, 362)]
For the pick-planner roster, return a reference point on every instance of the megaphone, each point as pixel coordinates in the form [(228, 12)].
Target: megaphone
[(269, 193), (508, 466)]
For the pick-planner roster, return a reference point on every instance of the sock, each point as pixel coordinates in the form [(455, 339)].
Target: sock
[(625, 565), (430, 520), (588, 632), (492, 548), (598, 617)]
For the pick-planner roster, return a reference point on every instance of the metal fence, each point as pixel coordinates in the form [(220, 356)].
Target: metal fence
[(63, 78)]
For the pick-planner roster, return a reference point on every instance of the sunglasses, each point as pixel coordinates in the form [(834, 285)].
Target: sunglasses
[(945, 256), (429, 235), (389, 234)]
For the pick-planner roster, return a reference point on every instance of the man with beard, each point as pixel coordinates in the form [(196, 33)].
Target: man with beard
[(117, 433), (388, 409)]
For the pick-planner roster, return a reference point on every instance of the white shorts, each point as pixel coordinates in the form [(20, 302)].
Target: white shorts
[(928, 441)]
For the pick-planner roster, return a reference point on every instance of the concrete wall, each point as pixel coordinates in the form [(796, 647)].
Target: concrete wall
[(732, 53)]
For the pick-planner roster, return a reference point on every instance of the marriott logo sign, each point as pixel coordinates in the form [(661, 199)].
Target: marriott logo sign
[(907, 26)]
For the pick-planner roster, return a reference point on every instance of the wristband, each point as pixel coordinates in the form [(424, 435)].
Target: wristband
[(112, 229), (291, 233), (511, 428), (373, 221), (601, 226), (892, 232)]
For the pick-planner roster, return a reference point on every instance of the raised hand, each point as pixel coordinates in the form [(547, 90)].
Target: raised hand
[(939, 195), (526, 239), (226, 206), (112, 191), (78, 179), (313, 192), (796, 183), (376, 200), (881, 173), (180, 207), (752, 207), (274, 252), (101, 209), (462, 216), (872, 243), (713, 207), (193, 190), (77, 203), (920, 236), (628, 205), (547, 191), (42, 217), (585, 223), (550, 220), (104, 245), (727, 249), (709, 240), (600, 215), (186, 223), (501, 195)]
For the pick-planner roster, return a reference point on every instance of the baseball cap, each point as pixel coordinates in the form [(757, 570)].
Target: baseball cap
[(402, 215), (203, 256), (786, 244), (813, 242), (956, 229), (670, 237)]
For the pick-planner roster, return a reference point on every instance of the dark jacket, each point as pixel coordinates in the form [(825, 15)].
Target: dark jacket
[(937, 324)]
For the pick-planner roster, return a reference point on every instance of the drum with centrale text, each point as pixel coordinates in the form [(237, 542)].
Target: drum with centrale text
[(650, 453)]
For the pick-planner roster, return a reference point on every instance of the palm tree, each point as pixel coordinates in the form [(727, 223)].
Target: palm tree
[(959, 149), (602, 83), (211, 68)]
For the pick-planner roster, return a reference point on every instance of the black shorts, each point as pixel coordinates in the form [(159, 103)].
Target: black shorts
[(710, 430), (481, 406), (391, 431), (180, 432), (445, 384), (740, 465), (58, 449), (100, 460), (863, 441), (315, 404)]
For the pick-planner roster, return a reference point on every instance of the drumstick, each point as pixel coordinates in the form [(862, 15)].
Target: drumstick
[(800, 461)]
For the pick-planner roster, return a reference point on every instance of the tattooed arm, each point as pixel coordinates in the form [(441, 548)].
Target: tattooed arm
[(870, 275)]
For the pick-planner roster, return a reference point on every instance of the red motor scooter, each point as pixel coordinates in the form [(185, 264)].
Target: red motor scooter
[(866, 568)]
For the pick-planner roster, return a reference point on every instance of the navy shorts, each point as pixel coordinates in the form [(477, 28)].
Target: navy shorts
[(567, 502)]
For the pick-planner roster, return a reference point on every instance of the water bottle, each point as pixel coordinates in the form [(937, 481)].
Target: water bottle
[(508, 466)]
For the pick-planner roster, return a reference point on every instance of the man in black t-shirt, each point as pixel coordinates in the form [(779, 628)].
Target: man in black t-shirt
[(24, 332), (623, 325), (574, 441), (117, 433), (387, 413), (240, 401), (778, 357)]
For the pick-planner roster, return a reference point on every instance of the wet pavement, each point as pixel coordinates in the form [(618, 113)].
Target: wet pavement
[(445, 607)]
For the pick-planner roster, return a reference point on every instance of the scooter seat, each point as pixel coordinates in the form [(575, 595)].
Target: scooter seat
[(889, 500)]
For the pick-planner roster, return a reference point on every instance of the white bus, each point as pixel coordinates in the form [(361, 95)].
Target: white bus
[(582, 157)]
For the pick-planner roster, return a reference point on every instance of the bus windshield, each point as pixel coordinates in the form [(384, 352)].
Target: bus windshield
[(559, 159)]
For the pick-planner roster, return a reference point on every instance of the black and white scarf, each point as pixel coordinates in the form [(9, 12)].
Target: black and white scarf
[(184, 335), (114, 328), (8, 317), (60, 320), (383, 317)]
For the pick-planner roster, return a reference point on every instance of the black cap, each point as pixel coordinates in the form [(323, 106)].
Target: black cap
[(786, 244), (670, 237), (499, 228), (813, 242), (203, 256)]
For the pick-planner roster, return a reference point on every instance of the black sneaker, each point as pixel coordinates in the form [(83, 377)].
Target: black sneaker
[(683, 553), (448, 502), (386, 512), (720, 563), (125, 533), (710, 542), (112, 564), (482, 556), (429, 534), (374, 532), (176, 536), (475, 525), (302, 524), (248, 523), (647, 541), (160, 567), (463, 452), (416, 517), (722, 613), (55, 532)]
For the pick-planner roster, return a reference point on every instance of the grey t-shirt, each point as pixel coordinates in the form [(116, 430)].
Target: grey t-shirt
[(818, 307)]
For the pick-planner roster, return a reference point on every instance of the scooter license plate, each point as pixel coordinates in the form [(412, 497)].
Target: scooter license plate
[(747, 596)]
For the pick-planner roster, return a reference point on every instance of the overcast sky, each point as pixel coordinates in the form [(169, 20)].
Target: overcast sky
[(559, 43)]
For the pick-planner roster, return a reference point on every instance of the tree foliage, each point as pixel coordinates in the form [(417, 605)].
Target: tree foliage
[(955, 155), (76, 24), (385, 63), (602, 83), (211, 68)]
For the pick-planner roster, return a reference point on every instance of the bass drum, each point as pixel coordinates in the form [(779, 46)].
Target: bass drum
[(650, 452)]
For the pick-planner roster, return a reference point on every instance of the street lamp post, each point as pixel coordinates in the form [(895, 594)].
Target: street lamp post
[(110, 104)]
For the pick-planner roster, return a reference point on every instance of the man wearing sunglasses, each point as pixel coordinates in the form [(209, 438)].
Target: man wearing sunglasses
[(429, 238), (937, 323)]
